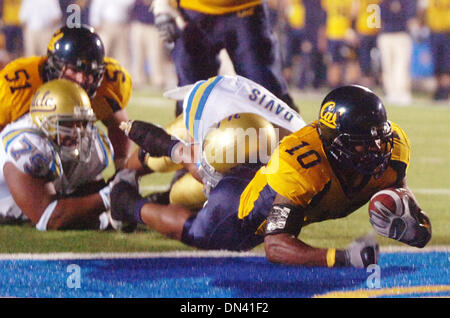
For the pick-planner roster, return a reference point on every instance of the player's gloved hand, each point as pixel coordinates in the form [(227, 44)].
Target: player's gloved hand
[(361, 253), (167, 27), (123, 175), (126, 203), (412, 228), (153, 139)]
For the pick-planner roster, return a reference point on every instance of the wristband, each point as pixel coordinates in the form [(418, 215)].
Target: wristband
[(331, 257)]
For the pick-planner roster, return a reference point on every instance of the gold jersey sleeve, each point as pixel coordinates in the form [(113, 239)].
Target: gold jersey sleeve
[(402, 146), (218, 7), (114, 91), (19, 80)]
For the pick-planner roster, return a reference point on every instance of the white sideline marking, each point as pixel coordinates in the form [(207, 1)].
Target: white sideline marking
[(432, 191), (171, 254), (179, 254)]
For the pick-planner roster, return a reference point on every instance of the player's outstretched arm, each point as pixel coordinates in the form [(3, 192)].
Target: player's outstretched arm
[(38, 201), (282, 245)]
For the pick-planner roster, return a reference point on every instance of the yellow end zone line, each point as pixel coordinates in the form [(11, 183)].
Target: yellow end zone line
[(395, 291)]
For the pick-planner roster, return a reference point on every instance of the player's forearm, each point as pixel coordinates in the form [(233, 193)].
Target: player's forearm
[(286, 249), (137, 163), (122, 146), (71, 212)]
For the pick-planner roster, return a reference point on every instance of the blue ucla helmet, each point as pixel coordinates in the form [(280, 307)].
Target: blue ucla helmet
[(354, 130)]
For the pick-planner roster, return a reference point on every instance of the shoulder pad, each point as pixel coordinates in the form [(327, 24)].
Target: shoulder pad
[(19, 81), (114, 92), (106, 147), (402, 146)]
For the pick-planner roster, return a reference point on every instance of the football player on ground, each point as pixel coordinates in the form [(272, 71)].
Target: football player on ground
[(51, 162), (325, 170), (76, 54)]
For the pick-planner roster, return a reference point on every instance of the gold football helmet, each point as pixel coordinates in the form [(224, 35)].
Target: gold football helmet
[(239, 139), (62, 110)]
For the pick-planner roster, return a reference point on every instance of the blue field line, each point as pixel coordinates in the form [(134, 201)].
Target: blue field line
[(401, 274)]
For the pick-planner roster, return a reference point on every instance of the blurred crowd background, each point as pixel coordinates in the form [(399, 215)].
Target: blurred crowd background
[(399, 46)]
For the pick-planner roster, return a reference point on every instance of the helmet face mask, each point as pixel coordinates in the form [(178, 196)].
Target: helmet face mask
[(368, 156), (72, 135), (355, 132), (92, 76)]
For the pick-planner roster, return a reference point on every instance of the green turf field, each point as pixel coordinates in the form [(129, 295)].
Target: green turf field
[(427, 125)]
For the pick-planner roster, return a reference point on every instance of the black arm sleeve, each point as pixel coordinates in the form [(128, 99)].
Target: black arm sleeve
[(284, 218), (153, 139)]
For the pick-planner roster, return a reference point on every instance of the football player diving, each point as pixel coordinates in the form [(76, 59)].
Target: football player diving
[(51, 162), (76, 54), (325, 170)]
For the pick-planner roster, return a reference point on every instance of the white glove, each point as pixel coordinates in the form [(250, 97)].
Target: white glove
[(167, 20), (412, 228), (362, 252), (167, 28)]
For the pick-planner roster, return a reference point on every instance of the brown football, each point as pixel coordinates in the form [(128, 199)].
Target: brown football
[(389, 201)]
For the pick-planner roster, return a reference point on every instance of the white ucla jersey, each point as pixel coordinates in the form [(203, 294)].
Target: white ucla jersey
[(210, 101), (30, 151)]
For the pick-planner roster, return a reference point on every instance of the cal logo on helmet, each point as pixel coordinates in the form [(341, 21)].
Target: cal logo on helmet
[(329, 115), (54, 39)]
